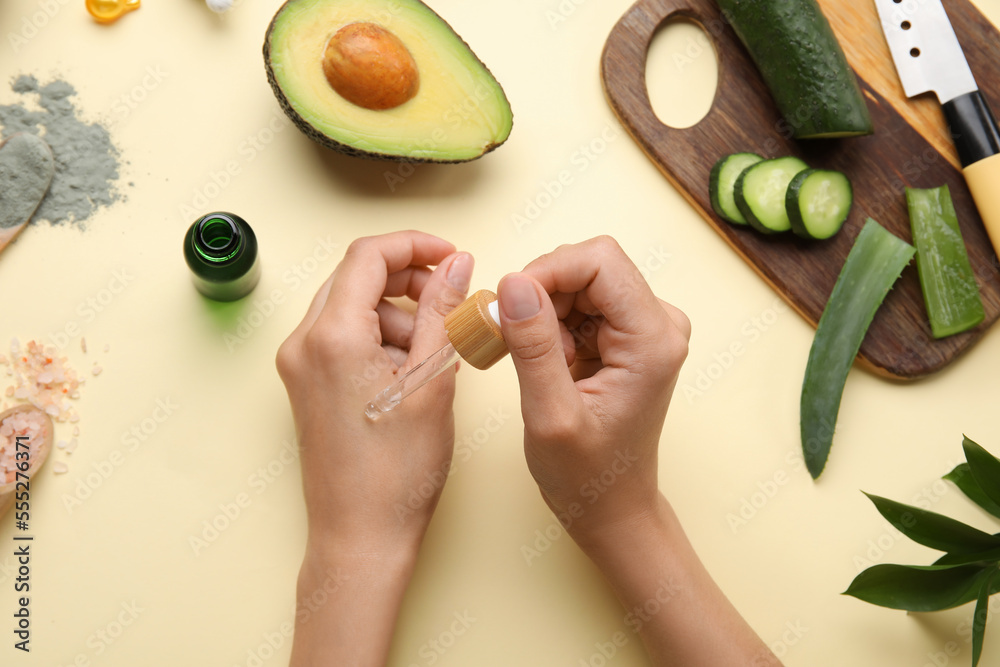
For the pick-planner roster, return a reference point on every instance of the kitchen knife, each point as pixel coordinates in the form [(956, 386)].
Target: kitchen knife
[(928, 57)]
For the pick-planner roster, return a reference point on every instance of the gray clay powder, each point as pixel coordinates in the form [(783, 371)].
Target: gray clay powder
[(26, 170), (86, 160)]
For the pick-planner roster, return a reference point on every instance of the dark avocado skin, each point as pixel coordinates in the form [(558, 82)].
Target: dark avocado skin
[(338, 146)]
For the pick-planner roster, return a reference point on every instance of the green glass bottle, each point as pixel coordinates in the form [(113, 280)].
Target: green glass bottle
[(221, 250)]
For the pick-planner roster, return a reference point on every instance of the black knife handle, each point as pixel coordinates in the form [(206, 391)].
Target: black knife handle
[(973, 128)]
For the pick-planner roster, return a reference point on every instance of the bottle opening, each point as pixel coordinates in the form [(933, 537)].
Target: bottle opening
[(218, 238)]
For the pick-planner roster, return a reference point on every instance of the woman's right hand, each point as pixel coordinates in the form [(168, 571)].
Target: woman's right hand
[(597, 356)]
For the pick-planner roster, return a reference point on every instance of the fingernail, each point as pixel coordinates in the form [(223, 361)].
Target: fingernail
[(460, 272), (518, 297)]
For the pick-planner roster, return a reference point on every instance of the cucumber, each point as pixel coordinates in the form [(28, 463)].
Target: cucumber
[(818, 201), (875, 262), (760, 193), (805, 69), (722, 181), (946, 279)]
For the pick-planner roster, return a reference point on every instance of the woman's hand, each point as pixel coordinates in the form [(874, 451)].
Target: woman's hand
[(370, 486), (597, 356)]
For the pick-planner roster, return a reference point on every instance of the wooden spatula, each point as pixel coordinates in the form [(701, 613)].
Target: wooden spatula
[(8, 491), (26, 170)]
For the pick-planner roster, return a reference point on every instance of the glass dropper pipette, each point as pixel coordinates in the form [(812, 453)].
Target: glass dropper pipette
[(474, 335), (414, 379)]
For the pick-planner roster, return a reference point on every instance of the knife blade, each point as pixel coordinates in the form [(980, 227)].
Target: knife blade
[(928, 57)]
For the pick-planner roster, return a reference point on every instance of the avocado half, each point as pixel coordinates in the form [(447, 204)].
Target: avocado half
[(419, 92)]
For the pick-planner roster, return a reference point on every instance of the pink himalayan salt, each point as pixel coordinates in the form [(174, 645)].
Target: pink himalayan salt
[(43, 379), (29, 424)]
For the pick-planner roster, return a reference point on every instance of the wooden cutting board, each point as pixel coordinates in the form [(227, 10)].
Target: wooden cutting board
[(910, 147)]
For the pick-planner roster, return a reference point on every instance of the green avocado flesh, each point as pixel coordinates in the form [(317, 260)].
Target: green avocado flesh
[(459, 112)]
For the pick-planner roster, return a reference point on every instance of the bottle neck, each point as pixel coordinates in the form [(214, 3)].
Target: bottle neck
[(218, 239)]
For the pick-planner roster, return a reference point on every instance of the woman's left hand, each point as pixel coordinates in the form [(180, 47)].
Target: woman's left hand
[(371, 486)]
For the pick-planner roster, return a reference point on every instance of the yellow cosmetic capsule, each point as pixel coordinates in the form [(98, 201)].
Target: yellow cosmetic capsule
[(107, 11)]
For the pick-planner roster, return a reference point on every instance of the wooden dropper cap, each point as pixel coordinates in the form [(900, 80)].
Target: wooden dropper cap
[(474, 331)]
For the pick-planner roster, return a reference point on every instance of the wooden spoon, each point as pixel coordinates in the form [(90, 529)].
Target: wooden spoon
[(26, 170), (8, 492)]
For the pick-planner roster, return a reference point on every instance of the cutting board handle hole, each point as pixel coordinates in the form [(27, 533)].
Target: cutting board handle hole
[(682, 72)]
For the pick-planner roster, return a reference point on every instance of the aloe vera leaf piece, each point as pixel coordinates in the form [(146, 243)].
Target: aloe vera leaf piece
[(875, 262), (951, 294)]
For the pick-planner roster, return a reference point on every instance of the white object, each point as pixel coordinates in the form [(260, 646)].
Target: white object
[(219, 6)]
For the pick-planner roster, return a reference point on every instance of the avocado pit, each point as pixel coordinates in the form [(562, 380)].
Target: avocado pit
[(371, 67)]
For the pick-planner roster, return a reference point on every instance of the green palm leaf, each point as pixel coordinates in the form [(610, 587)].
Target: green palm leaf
[(962, 477), (932, 529), (917, 587), (982, 611), (985, 469)]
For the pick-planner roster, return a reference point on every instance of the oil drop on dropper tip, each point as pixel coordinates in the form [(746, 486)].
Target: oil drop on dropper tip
[(473, 330)]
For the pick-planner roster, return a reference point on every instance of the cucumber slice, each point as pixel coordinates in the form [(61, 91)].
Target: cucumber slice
[(760, 193), (721, 182), (873, 265), (818, 201), (946, 279)]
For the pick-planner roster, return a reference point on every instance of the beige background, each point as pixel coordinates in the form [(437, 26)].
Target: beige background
[(128, 543)]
